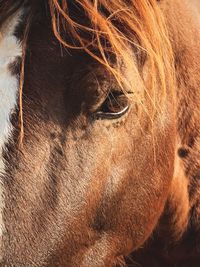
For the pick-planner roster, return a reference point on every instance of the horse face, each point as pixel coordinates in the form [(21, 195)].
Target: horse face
[(91, 180)]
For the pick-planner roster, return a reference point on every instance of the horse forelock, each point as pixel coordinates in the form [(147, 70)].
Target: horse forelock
[(109, 28)]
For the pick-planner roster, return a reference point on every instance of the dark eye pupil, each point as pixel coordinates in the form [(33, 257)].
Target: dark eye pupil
[(115, 105)]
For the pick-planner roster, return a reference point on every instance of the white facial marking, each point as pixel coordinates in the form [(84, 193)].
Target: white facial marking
[(10, 48)]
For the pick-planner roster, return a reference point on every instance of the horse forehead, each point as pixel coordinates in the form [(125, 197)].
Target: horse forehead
[(10, 49), (9, 45)]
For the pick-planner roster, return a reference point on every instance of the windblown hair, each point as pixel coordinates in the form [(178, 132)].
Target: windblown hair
[(108, 30)]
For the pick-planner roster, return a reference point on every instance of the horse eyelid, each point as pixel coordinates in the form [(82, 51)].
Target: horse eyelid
[(109, 115), (104, 113)]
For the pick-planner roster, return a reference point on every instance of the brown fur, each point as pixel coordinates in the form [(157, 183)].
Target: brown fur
[(85, 192), (168, 247)]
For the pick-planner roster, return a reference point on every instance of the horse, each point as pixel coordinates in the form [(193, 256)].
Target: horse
[(100, 119)]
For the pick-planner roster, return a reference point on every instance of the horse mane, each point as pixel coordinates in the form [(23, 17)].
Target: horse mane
[(104, 29)]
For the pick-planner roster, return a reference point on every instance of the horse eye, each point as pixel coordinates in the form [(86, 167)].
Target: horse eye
[(115, 106)]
